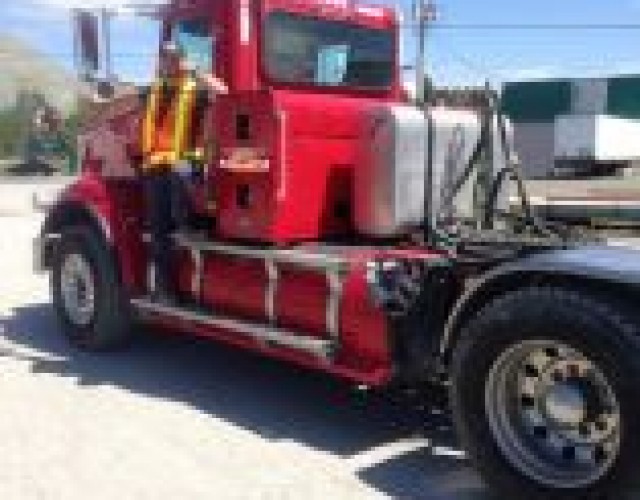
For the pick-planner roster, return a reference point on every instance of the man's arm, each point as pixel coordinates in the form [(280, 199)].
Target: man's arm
[(214, 84)]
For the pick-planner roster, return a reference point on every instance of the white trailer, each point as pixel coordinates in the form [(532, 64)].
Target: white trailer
[(596, 138)]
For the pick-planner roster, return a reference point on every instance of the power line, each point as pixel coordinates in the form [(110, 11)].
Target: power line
[(436, 25), (536, 26)]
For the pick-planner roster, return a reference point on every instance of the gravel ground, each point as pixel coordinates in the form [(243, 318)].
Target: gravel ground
[(181, 419)]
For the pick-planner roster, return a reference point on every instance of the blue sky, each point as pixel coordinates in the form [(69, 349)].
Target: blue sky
[(467, 54), (46, 26), (456, 56)]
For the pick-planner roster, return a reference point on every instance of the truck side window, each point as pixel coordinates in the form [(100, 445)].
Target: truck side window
[(196, 43)]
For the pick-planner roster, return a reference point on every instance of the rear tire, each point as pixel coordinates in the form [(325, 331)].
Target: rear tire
[(544, 395), (86, 291)]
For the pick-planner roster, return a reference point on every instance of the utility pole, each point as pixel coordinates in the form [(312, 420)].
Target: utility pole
[(106, 15), (425, 12)]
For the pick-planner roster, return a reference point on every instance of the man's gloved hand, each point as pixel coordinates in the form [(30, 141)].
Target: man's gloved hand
[(211, 82)]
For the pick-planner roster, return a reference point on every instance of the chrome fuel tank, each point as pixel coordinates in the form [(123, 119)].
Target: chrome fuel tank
[(390, 181)]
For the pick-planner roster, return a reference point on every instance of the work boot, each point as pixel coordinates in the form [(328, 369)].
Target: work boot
[(164, 297)]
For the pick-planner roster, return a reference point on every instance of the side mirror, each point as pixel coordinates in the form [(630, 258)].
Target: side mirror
[(86, 26)]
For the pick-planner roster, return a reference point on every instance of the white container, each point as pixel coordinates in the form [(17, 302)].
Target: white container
[(390, 180), (597, 138)]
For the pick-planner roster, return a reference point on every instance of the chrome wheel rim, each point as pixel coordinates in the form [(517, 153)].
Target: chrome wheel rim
[(553, 414), (78, 289)]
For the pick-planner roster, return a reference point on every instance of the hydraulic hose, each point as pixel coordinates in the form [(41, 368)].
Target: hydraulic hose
[(510, 172)]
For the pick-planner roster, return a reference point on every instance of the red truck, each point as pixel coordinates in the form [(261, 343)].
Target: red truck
[(317, 239)]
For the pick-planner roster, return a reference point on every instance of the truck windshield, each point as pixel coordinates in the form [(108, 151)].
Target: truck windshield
[(310, 51)]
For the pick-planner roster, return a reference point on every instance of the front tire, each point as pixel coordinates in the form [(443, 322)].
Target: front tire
[(86, 291), (544, 395)]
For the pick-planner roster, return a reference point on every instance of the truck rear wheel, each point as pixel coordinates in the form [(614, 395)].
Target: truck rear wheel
[(86, 292), (544, 395)]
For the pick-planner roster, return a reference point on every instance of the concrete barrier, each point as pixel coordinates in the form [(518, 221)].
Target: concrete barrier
[(19, 196)]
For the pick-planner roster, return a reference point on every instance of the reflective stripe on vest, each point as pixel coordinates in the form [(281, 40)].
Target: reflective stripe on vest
[(184, 116), (151, 115)]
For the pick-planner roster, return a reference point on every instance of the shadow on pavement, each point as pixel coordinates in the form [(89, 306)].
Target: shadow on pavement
[(273, 399)]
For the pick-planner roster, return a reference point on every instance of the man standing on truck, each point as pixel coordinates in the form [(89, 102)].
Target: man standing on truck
[(169, 142)]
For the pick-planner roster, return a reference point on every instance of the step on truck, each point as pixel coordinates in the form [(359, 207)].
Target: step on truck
[(336, 226)]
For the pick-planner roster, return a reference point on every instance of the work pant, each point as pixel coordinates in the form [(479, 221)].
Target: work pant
[(158, 201), (166, 210)]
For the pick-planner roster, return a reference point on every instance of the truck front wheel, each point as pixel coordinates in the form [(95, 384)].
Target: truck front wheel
[(86, 292), (544, 395)]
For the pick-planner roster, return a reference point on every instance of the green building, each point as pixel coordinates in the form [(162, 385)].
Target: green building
[(585, 115)]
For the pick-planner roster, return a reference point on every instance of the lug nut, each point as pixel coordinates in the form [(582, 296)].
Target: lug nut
[(527, 401), (540, 432), (601, 425), (569, 453), (551, 352), (599, 454), (574, 371)]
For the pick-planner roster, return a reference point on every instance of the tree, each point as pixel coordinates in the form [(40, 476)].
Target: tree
[(36, 133), (12, 132)]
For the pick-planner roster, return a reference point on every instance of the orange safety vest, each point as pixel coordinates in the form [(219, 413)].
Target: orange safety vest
[(167, 126)]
